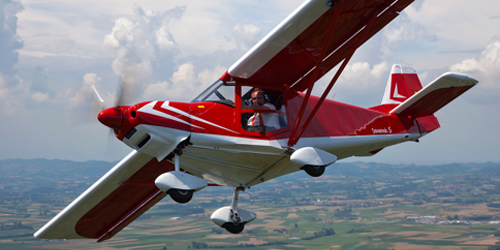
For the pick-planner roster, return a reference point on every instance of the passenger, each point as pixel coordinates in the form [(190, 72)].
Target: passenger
[(261, 122)]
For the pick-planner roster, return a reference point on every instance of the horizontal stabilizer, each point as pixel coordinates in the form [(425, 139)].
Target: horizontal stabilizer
[(435, 95)]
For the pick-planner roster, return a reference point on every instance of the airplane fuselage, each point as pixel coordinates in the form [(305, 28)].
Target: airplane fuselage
[(220, 150)]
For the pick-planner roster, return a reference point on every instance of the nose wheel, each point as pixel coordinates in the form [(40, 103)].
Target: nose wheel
[(232, 218), (233, 228)]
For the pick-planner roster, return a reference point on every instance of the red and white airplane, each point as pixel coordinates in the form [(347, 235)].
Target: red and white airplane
[(234, 134)]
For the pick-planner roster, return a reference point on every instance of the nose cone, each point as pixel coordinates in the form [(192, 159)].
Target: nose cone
[(111, 117)]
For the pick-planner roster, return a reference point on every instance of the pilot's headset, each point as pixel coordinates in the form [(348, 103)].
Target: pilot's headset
[(249, 100)]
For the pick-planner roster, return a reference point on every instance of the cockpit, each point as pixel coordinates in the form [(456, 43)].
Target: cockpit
[(220, 92), (228, 93)]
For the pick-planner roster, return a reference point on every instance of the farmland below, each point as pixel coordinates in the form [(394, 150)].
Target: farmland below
[(352, 206)]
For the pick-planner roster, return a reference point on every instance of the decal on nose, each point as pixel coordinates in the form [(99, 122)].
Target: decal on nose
[(111, 117)]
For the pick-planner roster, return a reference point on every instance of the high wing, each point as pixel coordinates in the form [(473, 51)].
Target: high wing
[(115, 200), (319, 33), (309, 43)]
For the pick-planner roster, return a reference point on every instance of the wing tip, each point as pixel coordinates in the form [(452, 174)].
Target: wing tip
[(464, 78)]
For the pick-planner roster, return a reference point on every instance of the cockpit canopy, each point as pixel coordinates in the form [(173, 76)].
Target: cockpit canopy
[(220, 91), (224, 93)]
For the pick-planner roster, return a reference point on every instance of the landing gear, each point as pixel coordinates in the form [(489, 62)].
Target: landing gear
[(233, 228), (314, 171), (232, 218), (312, 160), (180, 196), (179, 185)]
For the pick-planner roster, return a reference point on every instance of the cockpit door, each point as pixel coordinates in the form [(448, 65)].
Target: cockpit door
[(256, 121)]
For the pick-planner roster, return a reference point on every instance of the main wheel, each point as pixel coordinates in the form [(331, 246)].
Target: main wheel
[(180, 196), (232, 228), (314, 171)]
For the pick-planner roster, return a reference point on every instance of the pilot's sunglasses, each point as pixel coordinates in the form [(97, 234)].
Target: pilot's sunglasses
[(258, 97)]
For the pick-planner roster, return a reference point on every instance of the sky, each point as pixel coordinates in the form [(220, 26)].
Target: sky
[(53, 51)]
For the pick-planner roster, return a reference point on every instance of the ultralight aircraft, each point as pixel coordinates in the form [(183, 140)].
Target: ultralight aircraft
[(257, 122)]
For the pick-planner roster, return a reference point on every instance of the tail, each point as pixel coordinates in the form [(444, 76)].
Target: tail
[(405, 96), (401, 85)]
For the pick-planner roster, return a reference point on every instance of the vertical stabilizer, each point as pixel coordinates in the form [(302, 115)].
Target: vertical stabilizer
[(401, 85)]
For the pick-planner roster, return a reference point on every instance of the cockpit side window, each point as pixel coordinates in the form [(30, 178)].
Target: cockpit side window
[(273, 114), (220, 92)]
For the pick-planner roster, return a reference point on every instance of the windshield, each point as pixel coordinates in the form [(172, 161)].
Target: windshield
[(220, 91)]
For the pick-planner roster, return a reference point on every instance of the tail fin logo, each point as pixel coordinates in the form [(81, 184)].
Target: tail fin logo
[(395, 93), (402, 83)]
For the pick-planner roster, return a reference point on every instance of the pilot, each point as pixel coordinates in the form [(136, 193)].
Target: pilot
[(262, 122)]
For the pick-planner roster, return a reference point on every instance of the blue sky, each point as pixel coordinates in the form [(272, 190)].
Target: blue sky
[(53, 51)]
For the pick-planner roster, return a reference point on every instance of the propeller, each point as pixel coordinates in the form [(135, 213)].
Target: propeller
[(132, 70), (113, 116), (98, 102)]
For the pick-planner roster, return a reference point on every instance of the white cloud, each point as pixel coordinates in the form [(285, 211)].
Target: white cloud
[(140, 43), (364, 75), (407, 32), (185, 74), (246, 35), (85, 94), (40, 82), (147, 33), (3, 91), (10, 41), (487, 66), (184, 83), (40, 97), (449, 19), (359, 84), (2, 81), (207, 77), (164, 38), (13, 98), (157, 91), (121, 34)]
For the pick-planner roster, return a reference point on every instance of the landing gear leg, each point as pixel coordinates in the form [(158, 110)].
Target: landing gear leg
[(179, 185), (236, 226), (180, 195)]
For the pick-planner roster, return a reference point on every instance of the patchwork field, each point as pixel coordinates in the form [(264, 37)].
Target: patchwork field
[(343, 210)]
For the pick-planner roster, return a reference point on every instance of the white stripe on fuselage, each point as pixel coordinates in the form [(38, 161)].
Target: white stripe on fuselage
[(178, 111), (148, 108)]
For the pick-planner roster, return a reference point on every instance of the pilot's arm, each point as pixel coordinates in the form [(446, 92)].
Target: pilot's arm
[(256, 107)]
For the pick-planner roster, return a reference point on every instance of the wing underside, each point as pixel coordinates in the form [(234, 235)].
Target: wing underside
[(313, 36), (115, 200)]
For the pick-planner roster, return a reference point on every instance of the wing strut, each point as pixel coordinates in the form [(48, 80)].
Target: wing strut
[(294, 135), (338, 9)]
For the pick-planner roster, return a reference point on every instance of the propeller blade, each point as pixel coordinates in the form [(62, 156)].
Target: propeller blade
[(99, 99)]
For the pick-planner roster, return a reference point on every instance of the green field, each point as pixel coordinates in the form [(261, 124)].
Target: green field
[(353, 206)]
